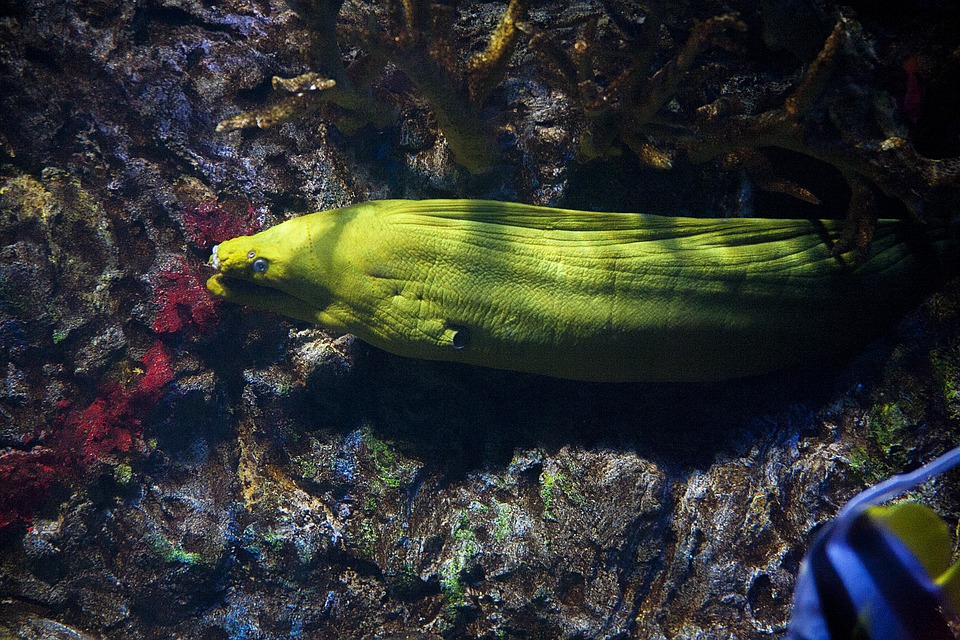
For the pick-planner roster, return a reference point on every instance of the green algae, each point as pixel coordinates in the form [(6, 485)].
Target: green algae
[(123, 474), (946, 370), (273, 540), (367, 538), (547, 482), (393, 469), (263, 542), (884, 454), (384, 458), (305, 466), (465, 548), (894, 422), (570, 489), (171, 553), (888, 426), (451, 582), (550, 483), (504, 522)]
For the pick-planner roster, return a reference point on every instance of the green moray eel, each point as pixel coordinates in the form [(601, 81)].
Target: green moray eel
[(581, 295)]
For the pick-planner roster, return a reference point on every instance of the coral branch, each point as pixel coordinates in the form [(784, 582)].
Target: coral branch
[(834, 114), (457, 117), (818, 74), (805, 124), (624, 110), (321, 17), (651, 96), (301, 104), (859, 225), (485, 70), (455, 95), (418, 16), (416, 40)]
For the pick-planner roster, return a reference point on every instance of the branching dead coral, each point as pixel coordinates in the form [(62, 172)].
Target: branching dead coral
[(329, 82), (821, 119), (833, 115), (626, 109), (416, 39)]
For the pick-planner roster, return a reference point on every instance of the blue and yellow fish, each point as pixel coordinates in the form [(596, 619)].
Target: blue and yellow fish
[(881, 572)]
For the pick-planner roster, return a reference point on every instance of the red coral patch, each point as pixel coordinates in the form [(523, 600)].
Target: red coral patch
[(25, 481), (110, 425), (102, 428), (158, 373), (207, 223), (183, 301)]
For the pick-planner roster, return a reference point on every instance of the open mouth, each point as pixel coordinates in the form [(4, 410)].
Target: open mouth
[(237, 289), (267, 298)]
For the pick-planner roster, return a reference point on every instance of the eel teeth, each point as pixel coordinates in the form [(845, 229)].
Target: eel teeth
[(215, 258)]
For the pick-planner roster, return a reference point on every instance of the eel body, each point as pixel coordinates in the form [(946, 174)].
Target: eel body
[(581, 295)]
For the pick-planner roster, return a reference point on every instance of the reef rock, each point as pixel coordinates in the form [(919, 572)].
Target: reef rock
[(174, 467)]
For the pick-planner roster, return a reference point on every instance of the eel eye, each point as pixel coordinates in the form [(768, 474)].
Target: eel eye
[(260, 265)]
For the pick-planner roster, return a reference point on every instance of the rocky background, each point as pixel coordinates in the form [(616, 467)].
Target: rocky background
[(175, 468)]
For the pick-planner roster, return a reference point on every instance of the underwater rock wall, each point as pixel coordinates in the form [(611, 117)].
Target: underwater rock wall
[(174, 467)]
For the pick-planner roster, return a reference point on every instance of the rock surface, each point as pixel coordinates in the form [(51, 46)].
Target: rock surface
[(173, 467)]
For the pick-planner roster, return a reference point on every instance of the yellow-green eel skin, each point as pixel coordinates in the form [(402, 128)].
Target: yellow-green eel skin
[(581, 294)]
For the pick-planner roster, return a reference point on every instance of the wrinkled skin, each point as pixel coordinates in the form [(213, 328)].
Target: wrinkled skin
[(581, 295)]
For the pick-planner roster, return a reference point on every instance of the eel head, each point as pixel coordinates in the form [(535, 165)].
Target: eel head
[(274, 270)]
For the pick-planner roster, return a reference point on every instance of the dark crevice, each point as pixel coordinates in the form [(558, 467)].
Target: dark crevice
[(43, 58), (149, 20)]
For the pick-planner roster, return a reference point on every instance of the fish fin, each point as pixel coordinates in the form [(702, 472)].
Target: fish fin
[(862, 629), (949, 581), (923, 532), (507, 214)]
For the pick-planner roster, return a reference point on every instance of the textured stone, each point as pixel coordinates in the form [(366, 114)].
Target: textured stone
[(171, 467)]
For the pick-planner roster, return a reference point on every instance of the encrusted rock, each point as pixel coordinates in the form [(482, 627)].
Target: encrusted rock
[(175, 467)]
